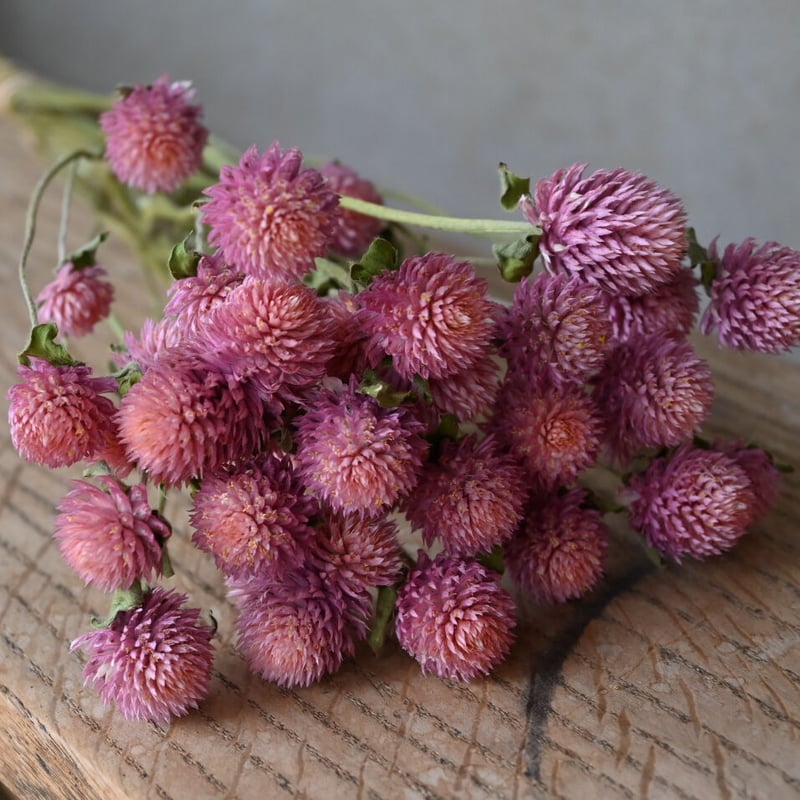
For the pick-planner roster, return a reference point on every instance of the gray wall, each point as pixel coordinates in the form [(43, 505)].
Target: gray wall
[(702, 95)]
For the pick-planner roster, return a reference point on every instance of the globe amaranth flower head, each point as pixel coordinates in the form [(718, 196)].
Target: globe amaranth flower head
[(269, 216), (655, 391), (695, 503), (354, 232), (471, 499), (557, 329), (154, 136), (355, 455), (614, 228), (760, 469), (76, 300), (454, 618), (755, 297), (559, 551), (57, 414), (470, 392), (110, 536), (154, 661), (432, 315), (253, 517)]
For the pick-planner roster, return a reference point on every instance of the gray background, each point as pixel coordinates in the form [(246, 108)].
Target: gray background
[(701, 95)]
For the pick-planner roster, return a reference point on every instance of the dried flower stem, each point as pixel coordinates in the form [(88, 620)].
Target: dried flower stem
[(65, 201)]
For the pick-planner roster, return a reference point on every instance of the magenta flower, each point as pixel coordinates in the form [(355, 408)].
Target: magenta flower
[(656, 391), (357, 456), (154, 137), (57, 415), (615, 229), (184, 419), (154, 662), (696, 503), (471, 499), (110, 536), (470, 392), (762, 472), (432, 316), (269, 216), (454, 618), (154, 339), (354, 232), (559, 552), (76, 300), (755, 297), (556, 329), (254, 518), (350, 339), (670, 309)]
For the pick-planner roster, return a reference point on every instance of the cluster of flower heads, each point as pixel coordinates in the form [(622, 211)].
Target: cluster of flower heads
[(306, 424)]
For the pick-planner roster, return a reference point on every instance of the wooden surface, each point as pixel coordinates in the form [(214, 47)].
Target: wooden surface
[(682, 682)]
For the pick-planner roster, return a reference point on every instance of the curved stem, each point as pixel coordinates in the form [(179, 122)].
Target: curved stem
[(30, 221), (412, 200), (64, 227), (476, 227)]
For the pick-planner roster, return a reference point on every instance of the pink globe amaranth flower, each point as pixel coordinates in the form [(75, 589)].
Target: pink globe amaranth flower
[(471, 499), (357, 456), (154, 136), (253, 518), (696, 503), (559, 551), (113, 454), (278, 336), (350, 353), (616, 229), (554, 432), (354, 232), (295, 631), (760, 469), (755, 297), (57, 414), (184, 419), (470, 392), (670, 309), (655, 391), (76, 300), (110, 536), (432, 315), (454, 618), (154, 339), (154, 662), (556, 329), (270, 217)]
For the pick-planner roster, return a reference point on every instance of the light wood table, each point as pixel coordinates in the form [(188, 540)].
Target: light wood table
[(681, 682)]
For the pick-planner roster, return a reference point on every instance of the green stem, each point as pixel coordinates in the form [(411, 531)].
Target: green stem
[(117, 327), (65, 201), (412, 200), (30, 221), (477, 227)]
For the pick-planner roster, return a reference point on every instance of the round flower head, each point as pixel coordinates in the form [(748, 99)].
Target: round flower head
[(555, 433), (670, 309), (557, 328), (755, 298), (655, 391), (183, 419), (350, 339), (354, 232), (269, 216), (357, 456), (254, 519), (432, 316), (110, 536), (470, 392), (76, 300), (559, 552), (57, 415), (471, 498), (454, 618), (154, 662), (697, 503), (154, 339), (154, 137), (293, 631), (616, 229), (762, 472)]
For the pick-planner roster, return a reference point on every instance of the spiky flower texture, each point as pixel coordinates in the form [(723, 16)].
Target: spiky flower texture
[(77, 299)]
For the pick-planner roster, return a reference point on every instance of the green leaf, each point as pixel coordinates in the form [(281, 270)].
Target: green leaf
[(512, 187), (42, 344), (708, 274), (380, 256), (696, 252), (183, 261), (384, 610), (127, 377), (86, 256), (167, 569), (652, 554), (515, 260), (383, 392), (121, 600), (494, 560)]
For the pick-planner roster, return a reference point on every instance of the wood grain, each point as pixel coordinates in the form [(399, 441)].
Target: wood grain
[(680, 682)]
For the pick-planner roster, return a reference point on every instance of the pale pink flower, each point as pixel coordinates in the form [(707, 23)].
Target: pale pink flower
[(76, 300), (154, 136), (154, 339)]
